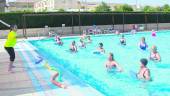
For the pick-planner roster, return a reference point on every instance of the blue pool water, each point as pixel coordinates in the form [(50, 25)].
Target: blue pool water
[(91, 68)]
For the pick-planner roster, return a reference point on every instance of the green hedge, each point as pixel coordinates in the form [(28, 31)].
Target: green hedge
[(86, 19)]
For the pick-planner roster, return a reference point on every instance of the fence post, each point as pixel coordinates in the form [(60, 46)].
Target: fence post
[(157, 15), (79, 23), (72, 21), (123, 21), (113, 21), (146, 22), (24, 26)]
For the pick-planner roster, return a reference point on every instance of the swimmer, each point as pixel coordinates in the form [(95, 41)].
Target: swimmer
[(143, 44), (117, 32), (100, 48), (144, 73), (154, 55), (82, 44), (58, 40), (111, 63), (73, 47), (83, 36), (153, 33), (89, 39), (122, 40)]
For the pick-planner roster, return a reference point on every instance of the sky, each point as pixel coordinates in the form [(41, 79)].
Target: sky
[(133, 2), (139, 2)]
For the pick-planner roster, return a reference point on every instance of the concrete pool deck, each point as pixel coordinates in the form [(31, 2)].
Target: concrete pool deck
[(16, 83), (29, 79)]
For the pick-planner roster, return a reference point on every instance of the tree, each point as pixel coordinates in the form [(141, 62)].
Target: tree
[(166, 8), (103, 8), (149, 9), (123, 8), (61, 10)]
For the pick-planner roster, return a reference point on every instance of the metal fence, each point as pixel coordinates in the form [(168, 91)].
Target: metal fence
[(72, 19)]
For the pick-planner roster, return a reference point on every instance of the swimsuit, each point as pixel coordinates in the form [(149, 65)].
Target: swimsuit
[(143, 46)]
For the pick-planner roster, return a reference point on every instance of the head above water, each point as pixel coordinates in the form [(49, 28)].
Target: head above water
[(88, 37), (13, 27), (154, 49), (144, 61), (73, 43), (100, 44), (143, 39)]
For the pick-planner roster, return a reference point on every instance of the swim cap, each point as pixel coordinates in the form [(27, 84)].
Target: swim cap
[(144, 61)]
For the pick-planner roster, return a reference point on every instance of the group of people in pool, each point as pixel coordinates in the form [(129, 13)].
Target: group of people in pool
[(111, 63), (82, 44)]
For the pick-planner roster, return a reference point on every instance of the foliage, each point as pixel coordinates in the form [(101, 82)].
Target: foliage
[(166, 8), (149, 9), (61, 10), (123, 8), (103, 7)]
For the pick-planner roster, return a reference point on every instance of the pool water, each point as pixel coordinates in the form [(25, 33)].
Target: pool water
[(91, 68)]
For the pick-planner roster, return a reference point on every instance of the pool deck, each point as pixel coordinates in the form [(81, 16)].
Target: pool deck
[(16, 83), (30, 79)]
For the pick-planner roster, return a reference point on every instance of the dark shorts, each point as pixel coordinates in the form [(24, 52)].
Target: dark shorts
[(11, 53)]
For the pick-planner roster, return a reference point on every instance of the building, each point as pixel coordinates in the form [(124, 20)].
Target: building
[(22, 5), (44, 5), (54, 5), (3, 5)]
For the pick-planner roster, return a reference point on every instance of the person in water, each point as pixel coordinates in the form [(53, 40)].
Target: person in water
[(89, 39), (100, 48), (58, 40), (9, 45), (122, 40), (82, 44), (84, 36), (111, 63), (144, 72), (153, 33), (73, 47), (117, 32), (154, 55), (142, 44)]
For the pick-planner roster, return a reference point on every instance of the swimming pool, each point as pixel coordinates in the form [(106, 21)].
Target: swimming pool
[(91, 68)]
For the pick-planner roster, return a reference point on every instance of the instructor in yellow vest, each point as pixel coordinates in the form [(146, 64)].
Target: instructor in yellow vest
[(9, 45)]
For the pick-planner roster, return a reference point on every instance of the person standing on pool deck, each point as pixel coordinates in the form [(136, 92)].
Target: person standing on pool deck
[(9, 45), (111, 63), (144, 73), (154, 55)]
